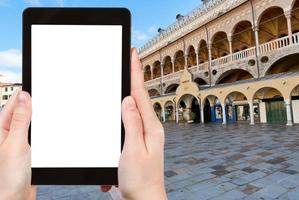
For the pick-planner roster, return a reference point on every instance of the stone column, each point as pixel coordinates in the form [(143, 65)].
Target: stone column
[(230, 42), (186, 60), (257, 42), (163, 115), (162, 78), (250, 102), (288, 15), (172, 61), (176, 114), (197, 58), (152, 74), (289, 112), (202, 114), (223, 113)]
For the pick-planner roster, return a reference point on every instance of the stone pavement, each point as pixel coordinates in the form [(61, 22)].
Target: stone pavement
[(213, 161)]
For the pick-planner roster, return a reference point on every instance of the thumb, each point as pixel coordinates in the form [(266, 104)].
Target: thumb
[(132, 123), (21, 117)]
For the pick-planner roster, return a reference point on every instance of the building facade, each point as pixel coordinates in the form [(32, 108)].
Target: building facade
[(228, 61), (6, 90)]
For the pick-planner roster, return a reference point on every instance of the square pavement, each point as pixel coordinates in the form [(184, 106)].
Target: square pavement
[(213, 161)]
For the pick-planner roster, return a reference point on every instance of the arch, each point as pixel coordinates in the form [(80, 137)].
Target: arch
[(156, 69), (203, 52), (272, 24), (153, 93), (237, 107), (220, 45), (234, 75), (295, 91), (147, 73), (167, 66), (169, 107), (171, 88), (272, 105), (158, 110), (191, 58), (212, 109), (179, 61), (295, 16), (189, 108), (289, 63), (242, 36), (200, 81)]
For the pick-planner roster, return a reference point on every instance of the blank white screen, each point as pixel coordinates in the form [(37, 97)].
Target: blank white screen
[(76, 95)]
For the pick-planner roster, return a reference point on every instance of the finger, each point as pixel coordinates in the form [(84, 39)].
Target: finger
[(152, 126), (18, 131), (6, 115), (132, 123), (105, 188)]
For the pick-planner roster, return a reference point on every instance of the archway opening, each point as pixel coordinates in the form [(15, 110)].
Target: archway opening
[(243, 36), (203, 53), (153, 93), (191, 60), (167, 66), (179, 61), (288, 63), (272, 25), (189, 109), (234, 75), (157, 70), (212, 109), (220, 45), (169, 111), (295, 104), (158, 110), (271, 105), (171, 88), (147, 73), (295, 17), (237, 107), (200, 81)]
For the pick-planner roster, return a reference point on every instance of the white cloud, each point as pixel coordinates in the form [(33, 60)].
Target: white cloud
[(10, 77), (34, 2), (11, 58), (140, 36)]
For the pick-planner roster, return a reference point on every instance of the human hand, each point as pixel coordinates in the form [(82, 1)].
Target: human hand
[(141, 166), (15, 156)]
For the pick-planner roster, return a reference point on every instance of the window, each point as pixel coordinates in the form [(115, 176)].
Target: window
[(4, 97), (6, 89), (9, 96), (11, 88)]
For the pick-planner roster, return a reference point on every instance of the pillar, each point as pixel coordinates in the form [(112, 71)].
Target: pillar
[(289, 112), (230, 42), (210, 61), (202, 115), (288, 15), (257, 42), (172, 61), (251, 111), (163, 115), (152, 74), (177, 114), (186, 60), (162, 78), (197, 58), (223, 113)]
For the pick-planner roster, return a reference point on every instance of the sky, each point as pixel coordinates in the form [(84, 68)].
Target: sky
[(147, 17)]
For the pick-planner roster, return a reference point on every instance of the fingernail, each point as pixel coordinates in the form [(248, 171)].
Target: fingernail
[(130, 103), (22, 98)]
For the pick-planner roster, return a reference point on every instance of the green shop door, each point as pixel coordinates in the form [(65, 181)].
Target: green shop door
[(276, 112)]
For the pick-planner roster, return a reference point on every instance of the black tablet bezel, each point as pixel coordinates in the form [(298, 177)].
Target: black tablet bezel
[(77, 16)]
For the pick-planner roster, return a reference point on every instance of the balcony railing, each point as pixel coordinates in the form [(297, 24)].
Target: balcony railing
[(153, 82), (265, 48)]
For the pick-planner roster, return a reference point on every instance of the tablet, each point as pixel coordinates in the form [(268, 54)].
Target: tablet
[(76, 66)]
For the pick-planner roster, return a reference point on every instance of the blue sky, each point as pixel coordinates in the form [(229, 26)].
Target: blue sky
[(147, 17)]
